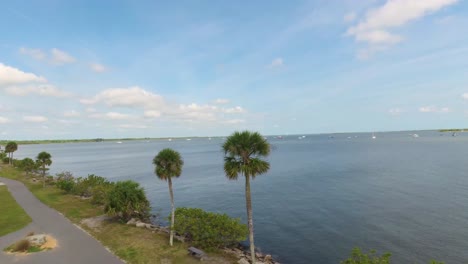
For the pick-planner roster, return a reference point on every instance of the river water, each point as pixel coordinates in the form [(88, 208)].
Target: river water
[(323, 195)]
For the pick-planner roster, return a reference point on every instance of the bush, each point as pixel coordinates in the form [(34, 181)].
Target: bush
[(85, 186), (358, 257), (100, 193), (209, 230), (28, 165), (65, 181), (6, 160), (126, 200)]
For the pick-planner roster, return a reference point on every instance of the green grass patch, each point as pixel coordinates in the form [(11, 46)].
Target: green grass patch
[(12, 216), (132, 244)]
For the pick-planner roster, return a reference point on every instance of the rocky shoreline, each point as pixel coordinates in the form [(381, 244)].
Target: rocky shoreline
[(240, 252)]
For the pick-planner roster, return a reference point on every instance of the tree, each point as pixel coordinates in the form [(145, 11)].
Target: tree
[(127, 199), (10, 148), (28, 165), (169, 164), (43, 159), (243, 153)]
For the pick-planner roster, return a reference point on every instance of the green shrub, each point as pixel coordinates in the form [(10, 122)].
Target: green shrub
[(84, 186), (65, 181), (17, 163), (2, 155), (100, 193), (28, 165), (6, 160), (358, 257), (209, 230), (126, 200)]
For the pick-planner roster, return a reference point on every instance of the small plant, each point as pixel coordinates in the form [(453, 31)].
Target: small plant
[(126, 200), (21, 246), (209, 230), (359, 257)]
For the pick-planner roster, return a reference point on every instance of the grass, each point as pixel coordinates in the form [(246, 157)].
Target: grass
[(12, 216), (132, 244)]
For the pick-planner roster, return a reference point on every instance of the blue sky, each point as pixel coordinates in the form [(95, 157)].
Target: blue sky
[(87, 69)]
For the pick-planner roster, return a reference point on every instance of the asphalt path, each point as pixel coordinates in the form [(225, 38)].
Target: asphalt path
[(75, 246)]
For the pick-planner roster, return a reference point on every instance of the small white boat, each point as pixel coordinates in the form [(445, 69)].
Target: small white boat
[(170, 139), (119, 142), (373, 136), (188, 139), (209, 138), (415, 135)]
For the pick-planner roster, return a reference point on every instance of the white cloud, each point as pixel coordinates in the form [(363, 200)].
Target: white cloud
[(126, 97), (43, 90), (395, 111), (60, 57), (374, 28), (234, 110), (90, 110), (349, 17), (4, 120), (35, 119), (151, 114), (35, 53), (71, 113), (111, 116), (433, 109), (234, 121), (221, 101), (10, 75), (99, 68), (278, 62), (133, 126), (465, 96)]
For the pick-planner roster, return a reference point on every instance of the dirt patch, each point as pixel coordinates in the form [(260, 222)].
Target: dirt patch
[(50, 243), (95, 222)]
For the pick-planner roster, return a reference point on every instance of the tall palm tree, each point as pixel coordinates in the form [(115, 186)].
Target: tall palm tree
[(243, 153), (10, 148), (44, 159), (169, 164)]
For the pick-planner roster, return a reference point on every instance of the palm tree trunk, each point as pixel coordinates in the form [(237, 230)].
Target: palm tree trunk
[(171, 238), (43, 176), (248, 200), (11, 160)]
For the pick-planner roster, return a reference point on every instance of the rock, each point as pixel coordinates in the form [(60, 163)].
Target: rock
[(267, 258), (243, 261), (95, 222), (37, 240), (140, 224), (258, 255), (132, 221), (149, 226)]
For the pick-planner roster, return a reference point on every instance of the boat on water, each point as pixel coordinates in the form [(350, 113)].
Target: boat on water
[(170, 139), (188, 139), (454, 134), (373, 136), (119, 142), (415, 135)]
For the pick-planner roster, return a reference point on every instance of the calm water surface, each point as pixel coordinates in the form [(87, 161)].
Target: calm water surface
[(322, 197)]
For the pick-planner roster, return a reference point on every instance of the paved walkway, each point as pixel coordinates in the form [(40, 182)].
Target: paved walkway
[(74, 245)]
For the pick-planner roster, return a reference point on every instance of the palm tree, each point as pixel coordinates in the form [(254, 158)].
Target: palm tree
[(169, 164), (243, 153), (10, 148), (44, 159)]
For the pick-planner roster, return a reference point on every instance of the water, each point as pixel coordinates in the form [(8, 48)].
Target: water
[(322, 197)]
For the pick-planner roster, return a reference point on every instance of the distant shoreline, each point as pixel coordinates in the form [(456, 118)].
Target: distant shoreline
[(89, 140)]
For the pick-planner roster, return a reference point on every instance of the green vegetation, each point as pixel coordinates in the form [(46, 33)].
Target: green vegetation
[(28, 165), (132, 244), (168, 164), (243, 155), (10, 148), (127, 200), (359, 257), (12, 216), (209, 230), (43, 159), (454, 130)]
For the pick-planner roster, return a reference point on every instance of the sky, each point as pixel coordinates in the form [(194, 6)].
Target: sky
[(122, 68)]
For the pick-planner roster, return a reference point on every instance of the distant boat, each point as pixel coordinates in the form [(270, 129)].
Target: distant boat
[(119, 142), (209, 138), (373, 136), (454, 134), (170, 139), (415, 135), (188, 139)]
